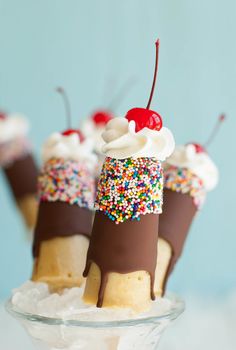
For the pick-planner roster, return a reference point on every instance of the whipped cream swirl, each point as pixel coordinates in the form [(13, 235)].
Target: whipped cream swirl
[(199, 163), (69, 148), (13, 126), (122, 141), (94, 131)]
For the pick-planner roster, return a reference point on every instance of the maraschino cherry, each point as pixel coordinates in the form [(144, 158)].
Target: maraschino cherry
[(102, 117), (145, 117), (198, 148), (203, 148), (3, 115), (69, 131)]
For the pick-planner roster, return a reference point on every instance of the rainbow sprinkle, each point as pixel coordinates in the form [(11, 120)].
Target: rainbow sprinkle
[(66, 181), (13, 150), (184, 181), (129, 188)]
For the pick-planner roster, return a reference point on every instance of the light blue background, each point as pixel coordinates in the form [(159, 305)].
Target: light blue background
[(82, 44)]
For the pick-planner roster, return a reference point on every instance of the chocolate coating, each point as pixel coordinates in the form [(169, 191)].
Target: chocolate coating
[(123, 248), (60, 219), (175, 221), (22, 176)]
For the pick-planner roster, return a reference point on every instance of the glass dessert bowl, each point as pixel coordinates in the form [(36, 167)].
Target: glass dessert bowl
[(139, 333)]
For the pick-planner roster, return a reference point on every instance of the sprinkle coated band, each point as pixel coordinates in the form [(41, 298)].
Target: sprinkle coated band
[(184, 181), (66, 181), (129, 188), (14, 150)]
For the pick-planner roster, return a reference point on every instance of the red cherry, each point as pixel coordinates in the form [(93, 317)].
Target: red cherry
[(69, 132), (3, 115), (144, 118), (102, 117), (198, 148), (222, 118)]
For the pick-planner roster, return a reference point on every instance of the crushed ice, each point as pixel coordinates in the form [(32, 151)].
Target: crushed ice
[(35, 298)]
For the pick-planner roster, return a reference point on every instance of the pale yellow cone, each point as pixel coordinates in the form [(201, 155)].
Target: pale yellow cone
[(164, 253), (61, 262), (130, 290), (28, 206), (112, 343)]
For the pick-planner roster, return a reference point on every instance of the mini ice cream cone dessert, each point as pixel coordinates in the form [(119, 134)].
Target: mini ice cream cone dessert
[(95, 125), (93, 128), (66, 193), (18, 165), (189, 174), (122, 254)]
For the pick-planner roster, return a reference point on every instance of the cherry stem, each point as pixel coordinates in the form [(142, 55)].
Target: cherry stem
[(155, 74), (215, 130), (108, 89), (66, 101), (121, 93)]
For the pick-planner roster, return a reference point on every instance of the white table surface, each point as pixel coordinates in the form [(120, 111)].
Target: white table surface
[(203, 326)]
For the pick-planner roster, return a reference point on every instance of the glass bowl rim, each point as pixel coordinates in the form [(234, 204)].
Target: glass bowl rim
[(177, 308)]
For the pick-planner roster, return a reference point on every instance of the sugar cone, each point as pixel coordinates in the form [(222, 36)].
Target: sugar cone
[(21, 176), (61, 262), (164, 253), (64, 223), (179, 211), (28, 206), (120, 289), (120, 262)]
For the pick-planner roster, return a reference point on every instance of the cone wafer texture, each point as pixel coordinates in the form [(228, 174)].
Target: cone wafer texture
[(28, 206)]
